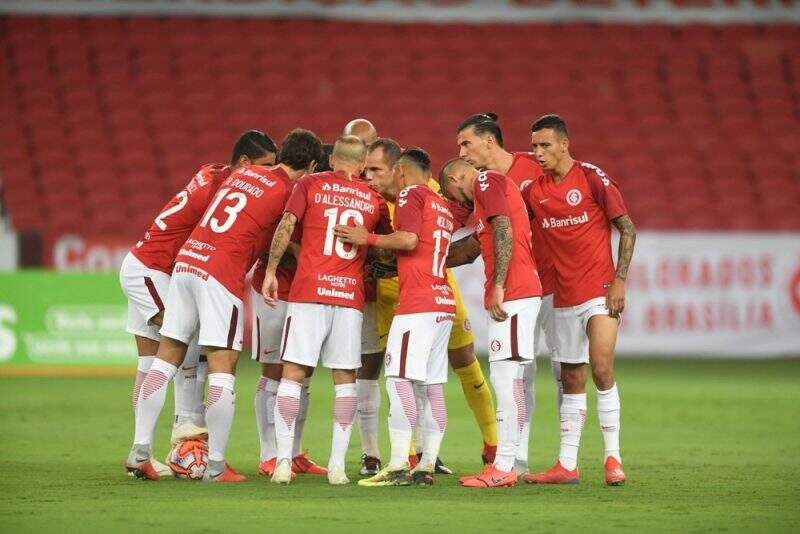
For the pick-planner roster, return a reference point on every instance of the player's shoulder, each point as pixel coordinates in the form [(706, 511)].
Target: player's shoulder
[(594, 174), (211, 174)]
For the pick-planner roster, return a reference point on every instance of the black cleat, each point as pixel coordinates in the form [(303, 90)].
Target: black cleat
[(422, 478), (439, 468), (369, 465)]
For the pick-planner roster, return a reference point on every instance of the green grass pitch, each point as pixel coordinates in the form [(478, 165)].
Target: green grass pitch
[(707, 445)]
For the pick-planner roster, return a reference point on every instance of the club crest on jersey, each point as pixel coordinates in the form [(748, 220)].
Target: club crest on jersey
[(574, 197), (495, 345)]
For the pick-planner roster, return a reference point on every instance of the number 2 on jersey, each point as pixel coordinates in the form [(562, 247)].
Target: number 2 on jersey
[(332, 214), (183, 198), (440, 237), (232, 211)]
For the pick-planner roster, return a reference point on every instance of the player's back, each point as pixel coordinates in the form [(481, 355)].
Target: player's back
[(423, 282), (330, 271), (178, 217), (234, 229)]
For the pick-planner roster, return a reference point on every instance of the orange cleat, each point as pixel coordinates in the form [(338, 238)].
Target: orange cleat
[(413, 460), (267, 467), (488, 454), (303, 464), (490, 477), (229, 474), (555, 475), (145, 471), (615, 476)]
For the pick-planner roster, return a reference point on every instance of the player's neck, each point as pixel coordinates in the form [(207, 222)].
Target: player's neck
[(293, 174), (349, 173), (562, 169), (501, 162)]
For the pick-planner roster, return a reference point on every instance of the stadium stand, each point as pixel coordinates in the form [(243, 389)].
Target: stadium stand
[(109, 116)]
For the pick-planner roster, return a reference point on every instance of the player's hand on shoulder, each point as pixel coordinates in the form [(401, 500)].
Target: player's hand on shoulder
[(356, 235), (496, 310), (615, 297)]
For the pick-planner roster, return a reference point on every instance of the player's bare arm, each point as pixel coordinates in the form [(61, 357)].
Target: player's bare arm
[(280, 242), (502, 241), (463, 251), (358, 235), (615, 299)]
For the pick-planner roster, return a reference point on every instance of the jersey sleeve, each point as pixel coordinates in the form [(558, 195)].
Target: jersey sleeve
[(384, 223), (527, 190), (298, 200), (408, 213), (491, 194), (607, 195)]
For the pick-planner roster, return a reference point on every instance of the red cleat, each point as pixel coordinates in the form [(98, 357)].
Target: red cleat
[(145, 471), (489, 452), (490, 477), (302, 464), (267, 467), (555, 475), (615, 476), (413, 460), (229, 474)]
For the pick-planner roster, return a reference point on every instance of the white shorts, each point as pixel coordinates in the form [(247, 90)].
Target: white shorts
[(370, 340), (544, 335), (198, 303), (267, 329), (514, 337), (146, 290), (322, 332), (571, 341), (417, 347)]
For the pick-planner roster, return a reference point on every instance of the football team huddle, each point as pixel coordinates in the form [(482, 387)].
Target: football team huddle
[(350, 247)]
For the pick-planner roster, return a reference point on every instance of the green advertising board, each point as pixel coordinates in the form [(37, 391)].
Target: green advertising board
[(49, 318)]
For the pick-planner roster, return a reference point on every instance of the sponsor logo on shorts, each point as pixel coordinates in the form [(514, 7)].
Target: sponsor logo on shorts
[(388, 359), (574, 197), (443, 318), (188, 269), (495, 345)]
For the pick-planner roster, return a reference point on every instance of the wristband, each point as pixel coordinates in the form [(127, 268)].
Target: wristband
[(372, 239)]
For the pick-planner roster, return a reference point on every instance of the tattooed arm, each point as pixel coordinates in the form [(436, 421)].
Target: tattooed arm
[(283, 235), (463, 251), (615, 298), (501, 239)]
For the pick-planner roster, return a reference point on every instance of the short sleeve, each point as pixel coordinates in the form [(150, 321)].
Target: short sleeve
[(606, 193), (298, 199), (491, 193), (408, 213), (526, 189)]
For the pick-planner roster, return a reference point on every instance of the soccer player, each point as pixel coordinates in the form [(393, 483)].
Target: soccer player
[(205, 296), (512, 298), (575, 203), (417, 346), (480, 142), (381, 158), (363, 129), (324, 315), (146, 271)]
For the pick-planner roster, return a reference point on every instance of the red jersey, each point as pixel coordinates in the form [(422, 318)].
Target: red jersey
[(493, 195), (234, 229), (178, 218), (330, 271), (525, 169), (575, 219), (370, 286), (285, 275), (423, 283)]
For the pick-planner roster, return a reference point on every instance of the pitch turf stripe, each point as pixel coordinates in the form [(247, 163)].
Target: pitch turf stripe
[(405, 391), (232, 327), (344, 411), (514, 340), (286, 334), (404, 353), (151, 288)]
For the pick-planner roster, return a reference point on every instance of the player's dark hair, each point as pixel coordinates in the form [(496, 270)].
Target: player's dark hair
[(324, 163), (391, 149), (253, 144), (418, 157), (552, 122), (484, 123), (299, 148)]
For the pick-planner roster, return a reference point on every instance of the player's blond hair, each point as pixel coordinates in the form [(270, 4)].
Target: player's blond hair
[(350, 149)]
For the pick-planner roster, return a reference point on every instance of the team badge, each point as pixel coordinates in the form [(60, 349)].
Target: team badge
[(388, 359), (467, 325), (495, 345), (574, 197)]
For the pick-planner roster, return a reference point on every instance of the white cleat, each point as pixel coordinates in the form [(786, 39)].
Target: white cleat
[(337, 476), (163, 470), (186, 431), (283, 472)]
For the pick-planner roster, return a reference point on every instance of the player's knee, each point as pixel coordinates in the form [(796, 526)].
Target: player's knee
[(573, 378), (462, 356), (370, 366), (603, 376), (272, 371), (293, 372)]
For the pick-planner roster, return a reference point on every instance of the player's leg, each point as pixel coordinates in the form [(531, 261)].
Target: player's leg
[(147, 349), (602, 332), (304, 331), (461, 353), (510, 350), (220, 407), (571, 350), (188, 422), (545, 341), (301, 463), (526, 415), (264, 404), (377, 318)]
